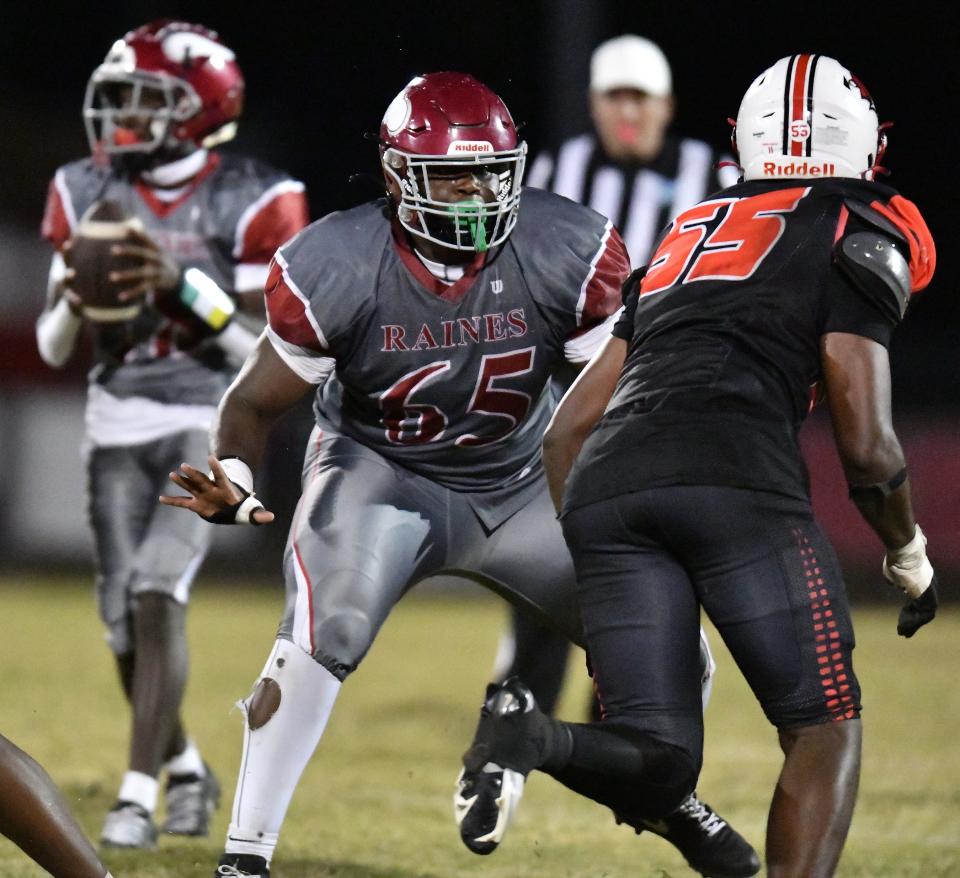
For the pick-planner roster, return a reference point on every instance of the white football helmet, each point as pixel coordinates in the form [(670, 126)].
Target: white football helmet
[(808, 116)]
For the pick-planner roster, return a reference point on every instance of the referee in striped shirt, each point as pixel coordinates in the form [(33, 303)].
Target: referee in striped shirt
[(639, 175)]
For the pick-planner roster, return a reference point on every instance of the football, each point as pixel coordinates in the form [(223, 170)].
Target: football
[(91, 257)]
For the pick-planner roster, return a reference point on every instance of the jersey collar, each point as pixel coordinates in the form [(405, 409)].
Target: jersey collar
[(163, 208), (454, 292)]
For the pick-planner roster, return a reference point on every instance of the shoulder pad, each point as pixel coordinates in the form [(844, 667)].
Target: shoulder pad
[(873, 218), (870, 259)]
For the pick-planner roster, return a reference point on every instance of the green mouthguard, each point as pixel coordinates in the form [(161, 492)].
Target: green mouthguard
[(469, 215)]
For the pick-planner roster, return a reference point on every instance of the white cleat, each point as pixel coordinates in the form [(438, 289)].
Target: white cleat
[(127, 825)]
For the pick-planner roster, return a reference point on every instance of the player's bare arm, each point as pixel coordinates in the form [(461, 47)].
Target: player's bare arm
[(857, 377), (579, 410), (264, 390)]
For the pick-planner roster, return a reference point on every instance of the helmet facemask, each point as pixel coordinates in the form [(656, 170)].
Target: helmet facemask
[(113, 98), (470, 224)]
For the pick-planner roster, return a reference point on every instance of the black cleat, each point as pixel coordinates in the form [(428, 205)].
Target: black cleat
[(242, 866), (505, 748), (708, 843)]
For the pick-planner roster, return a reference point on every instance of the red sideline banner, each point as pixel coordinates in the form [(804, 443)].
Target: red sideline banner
[(932, 449)]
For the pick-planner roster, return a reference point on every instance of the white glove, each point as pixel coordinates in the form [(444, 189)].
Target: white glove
[(908, 567)]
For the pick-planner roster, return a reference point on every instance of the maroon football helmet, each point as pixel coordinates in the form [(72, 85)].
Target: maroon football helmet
[(442, 124), (167, 85)]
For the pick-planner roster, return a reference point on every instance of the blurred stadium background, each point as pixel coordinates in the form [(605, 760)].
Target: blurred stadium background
[(319, 76)]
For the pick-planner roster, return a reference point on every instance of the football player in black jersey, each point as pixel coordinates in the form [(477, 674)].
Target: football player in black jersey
[(635, 171), (675, 464)]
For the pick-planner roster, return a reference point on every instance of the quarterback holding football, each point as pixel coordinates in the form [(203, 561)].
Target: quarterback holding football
[(160, 243)]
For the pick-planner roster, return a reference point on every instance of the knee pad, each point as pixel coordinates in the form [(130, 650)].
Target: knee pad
[(665, 775), (290, 676)]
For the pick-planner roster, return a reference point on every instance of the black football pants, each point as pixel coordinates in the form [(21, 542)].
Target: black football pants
[(764, 573)]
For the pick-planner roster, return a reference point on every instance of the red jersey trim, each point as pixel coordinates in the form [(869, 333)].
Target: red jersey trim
[(449, 293), (275, 217), (288, 310), (59, 217), (841, 223), (600, 292), (163, 209), (905, 215), (798, 103)]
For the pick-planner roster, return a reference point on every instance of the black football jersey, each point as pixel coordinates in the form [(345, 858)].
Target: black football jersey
[(724, 334)]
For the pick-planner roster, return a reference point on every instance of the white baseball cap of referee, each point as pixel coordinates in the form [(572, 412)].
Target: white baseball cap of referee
[(630, 62)]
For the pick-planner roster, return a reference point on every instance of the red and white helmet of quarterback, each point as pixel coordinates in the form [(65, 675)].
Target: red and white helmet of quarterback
[(442, 125), (808, 116), (177, 78)]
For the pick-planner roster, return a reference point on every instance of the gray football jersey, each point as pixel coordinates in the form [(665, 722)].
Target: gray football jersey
[(235, 211), (451, 382)]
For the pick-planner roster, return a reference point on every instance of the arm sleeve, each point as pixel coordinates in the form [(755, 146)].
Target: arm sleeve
[(57, 326)]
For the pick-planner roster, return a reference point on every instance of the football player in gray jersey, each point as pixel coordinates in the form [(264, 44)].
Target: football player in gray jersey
[(443, 311), (208, 224)]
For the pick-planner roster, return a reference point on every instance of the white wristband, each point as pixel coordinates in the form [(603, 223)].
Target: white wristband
[(238, 473), (908, 567)]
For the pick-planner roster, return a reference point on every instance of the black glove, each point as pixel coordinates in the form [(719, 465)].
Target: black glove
[(919, 611)]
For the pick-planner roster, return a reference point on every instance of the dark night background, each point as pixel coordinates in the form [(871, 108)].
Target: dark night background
[(320, 75)]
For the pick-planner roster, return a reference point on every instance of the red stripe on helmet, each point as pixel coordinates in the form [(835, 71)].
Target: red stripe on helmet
[(798, 103)]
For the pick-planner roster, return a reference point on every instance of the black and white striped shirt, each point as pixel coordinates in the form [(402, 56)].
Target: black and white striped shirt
[(639, 198)]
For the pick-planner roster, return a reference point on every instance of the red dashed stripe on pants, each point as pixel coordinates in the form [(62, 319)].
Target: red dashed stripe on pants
[(833, 670)]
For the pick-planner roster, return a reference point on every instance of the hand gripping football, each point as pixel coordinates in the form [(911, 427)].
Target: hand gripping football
[(90, 256)]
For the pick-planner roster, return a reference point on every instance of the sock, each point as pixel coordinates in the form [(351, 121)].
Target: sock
[(186, 763), (276, 753), (141, 789)]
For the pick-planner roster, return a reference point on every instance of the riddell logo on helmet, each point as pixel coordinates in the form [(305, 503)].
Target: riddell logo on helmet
[(800, 169), (469, 146)]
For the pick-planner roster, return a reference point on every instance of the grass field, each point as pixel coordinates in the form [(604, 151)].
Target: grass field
[(376, 800)]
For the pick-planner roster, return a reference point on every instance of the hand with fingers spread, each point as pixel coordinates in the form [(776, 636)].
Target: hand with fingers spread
[(224, 498), (159, 271)]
